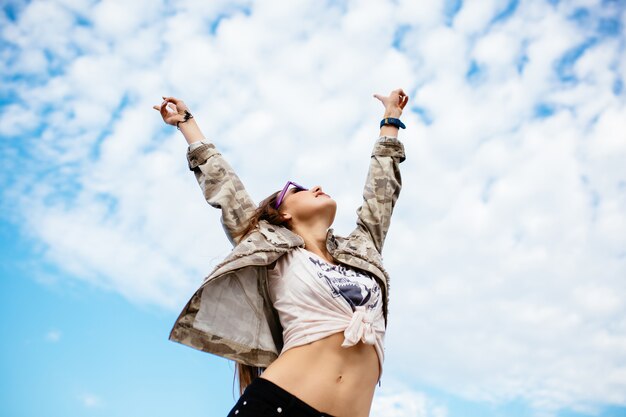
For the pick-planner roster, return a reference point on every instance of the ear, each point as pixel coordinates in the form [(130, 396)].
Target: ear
[(285, 216)]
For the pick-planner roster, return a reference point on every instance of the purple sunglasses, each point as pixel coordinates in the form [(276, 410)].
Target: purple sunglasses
[(281, 196)]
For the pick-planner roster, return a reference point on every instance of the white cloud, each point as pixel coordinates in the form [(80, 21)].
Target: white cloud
[(17, 120), (53, 336), (89, 400), (507, 247), (394, 399)]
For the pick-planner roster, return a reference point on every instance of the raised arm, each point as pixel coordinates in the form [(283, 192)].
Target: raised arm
[(383, 183), (219, 183)]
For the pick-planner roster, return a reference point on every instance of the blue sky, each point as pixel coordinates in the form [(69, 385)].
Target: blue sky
[(507, 249)]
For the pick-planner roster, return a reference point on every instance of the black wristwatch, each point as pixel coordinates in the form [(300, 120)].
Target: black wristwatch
[(393, 122)]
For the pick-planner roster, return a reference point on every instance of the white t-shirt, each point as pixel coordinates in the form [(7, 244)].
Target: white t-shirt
[(315, 299)]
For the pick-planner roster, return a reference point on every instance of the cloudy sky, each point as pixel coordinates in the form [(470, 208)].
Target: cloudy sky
[(507, 250)]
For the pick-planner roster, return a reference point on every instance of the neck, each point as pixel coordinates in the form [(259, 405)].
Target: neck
[(314, 237)]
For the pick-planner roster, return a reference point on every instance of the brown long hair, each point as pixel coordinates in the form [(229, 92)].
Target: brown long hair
[(265, 211)]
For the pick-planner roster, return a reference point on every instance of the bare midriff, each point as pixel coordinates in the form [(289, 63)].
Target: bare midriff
[(333, 379)]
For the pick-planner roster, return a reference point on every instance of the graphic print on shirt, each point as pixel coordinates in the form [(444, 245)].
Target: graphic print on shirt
[(356, 288)]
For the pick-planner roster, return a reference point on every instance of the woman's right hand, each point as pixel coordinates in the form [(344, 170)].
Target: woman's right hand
[(172, 110), (394, 103)]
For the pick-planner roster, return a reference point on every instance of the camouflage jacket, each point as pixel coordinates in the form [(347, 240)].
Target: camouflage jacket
[(231, 314)]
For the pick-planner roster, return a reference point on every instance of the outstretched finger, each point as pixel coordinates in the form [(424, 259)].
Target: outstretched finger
[(171, 99)]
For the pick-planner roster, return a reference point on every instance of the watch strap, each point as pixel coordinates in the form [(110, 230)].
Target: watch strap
[(392, 121)]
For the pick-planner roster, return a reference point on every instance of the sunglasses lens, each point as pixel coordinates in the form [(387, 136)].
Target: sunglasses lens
[(285, 190)]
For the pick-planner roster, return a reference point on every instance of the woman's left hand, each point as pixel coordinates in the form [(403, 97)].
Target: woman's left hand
[(172, 110)]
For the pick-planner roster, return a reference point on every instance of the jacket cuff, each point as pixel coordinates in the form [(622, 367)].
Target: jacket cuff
[(389, 146), (199, 152)]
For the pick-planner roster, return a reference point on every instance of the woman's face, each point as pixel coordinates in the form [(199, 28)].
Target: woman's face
[(306, 205)]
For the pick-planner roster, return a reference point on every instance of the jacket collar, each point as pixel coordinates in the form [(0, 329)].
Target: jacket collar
[(280, 236)]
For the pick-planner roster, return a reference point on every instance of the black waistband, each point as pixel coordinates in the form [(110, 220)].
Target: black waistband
[(278, 396)]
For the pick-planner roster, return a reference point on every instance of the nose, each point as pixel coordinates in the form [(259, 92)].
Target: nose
[(318, 190)]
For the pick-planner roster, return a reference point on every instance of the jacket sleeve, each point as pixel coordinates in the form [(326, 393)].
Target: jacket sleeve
[(221, 187), (381, 191)]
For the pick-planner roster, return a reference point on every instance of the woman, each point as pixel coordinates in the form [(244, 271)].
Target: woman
[(303, 312)]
